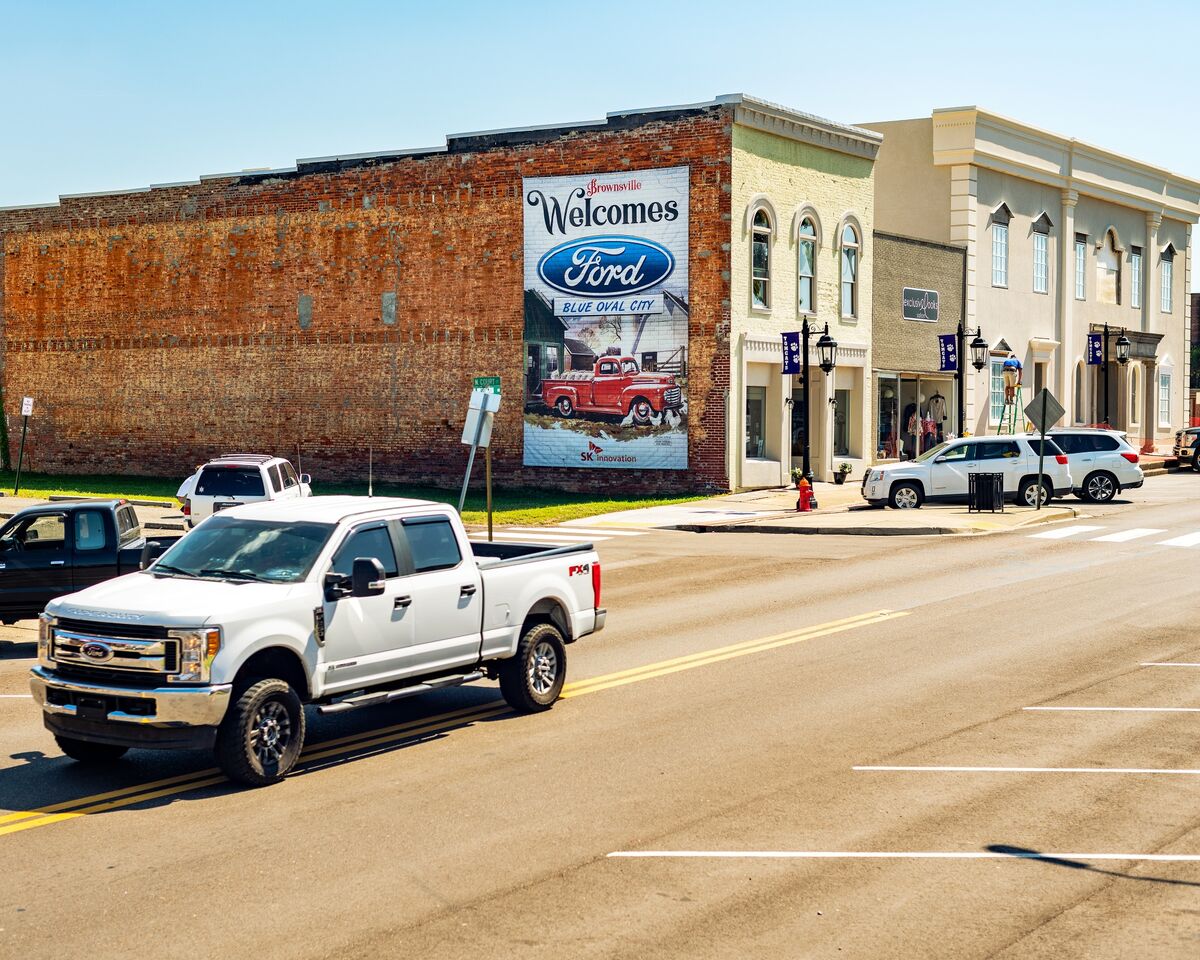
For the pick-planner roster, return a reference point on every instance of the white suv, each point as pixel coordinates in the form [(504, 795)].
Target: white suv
[(238, 478), (1102, 462), (940, 473)]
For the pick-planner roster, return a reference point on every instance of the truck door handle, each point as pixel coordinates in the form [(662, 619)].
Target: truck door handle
[(401, 603), (57, 563), (467, 590)]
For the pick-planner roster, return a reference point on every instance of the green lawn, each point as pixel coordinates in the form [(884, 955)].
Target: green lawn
[(519, 506)]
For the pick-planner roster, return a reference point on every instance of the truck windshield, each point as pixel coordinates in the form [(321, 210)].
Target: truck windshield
[(230, 482), (234, 549)]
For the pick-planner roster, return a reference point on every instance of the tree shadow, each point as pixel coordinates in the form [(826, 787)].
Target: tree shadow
[(1024, 853), (18, 649)]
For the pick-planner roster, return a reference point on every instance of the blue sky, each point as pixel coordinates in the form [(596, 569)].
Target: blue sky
[(123, 94)]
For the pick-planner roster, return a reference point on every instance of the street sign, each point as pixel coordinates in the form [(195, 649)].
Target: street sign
[(791, 354), (483, 407), (948, 347), (27, 407), (1095, 349), (1044, 411), (487, 385)]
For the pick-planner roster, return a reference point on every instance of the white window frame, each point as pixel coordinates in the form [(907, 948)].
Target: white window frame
[(1166, 283), (1164, 398), (995, 377), (1080, 266), (809, 239), (765, 233), (999, 254), (1135, 278), (1135, 389), (1041, 263), (849, 253)]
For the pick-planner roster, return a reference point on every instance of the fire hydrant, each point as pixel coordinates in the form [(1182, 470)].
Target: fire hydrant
[(804, 499)]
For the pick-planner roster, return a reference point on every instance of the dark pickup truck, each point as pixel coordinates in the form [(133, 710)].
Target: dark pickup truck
[(57, 548)]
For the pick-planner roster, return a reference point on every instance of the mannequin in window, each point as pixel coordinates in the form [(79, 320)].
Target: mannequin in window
[(937, 413), (911, 424)]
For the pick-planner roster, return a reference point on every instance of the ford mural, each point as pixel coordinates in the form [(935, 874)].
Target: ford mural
[(606, 320)]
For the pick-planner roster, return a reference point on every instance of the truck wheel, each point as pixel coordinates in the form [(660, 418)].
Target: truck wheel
[(565, 408), (90, 753), (532, 680), (262, 734), (641, 411)]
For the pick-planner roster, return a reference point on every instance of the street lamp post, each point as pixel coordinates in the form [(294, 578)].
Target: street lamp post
[(979, 349), (1123, 345), (827, 360)]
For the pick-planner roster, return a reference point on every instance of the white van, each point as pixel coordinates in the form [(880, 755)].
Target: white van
[(238, 478)]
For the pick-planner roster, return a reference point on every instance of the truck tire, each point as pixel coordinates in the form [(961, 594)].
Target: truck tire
[(532, 680), (565, 408), (260, 739), (641, 410), (83, 751)]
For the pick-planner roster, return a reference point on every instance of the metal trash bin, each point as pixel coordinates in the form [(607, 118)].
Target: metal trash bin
[(985, 491)]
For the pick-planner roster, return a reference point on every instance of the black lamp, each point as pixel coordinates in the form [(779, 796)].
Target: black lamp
[(979, 351), (1123, 346), (827, 351)]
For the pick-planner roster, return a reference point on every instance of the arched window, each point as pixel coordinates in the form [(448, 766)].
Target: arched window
[(760, 260), (807, 266), (1079, 372), (1135, 393), (851, 246)]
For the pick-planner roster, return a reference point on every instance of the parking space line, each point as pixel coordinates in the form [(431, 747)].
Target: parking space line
[(1122, 536), (1063, 532), (1120, 709), (16, 696), (587, 531), (895, 855), (948, 769), (1187, 540), (1152, 664)]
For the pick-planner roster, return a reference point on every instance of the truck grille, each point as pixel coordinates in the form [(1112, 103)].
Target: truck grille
[(121, 652), (673, 397)]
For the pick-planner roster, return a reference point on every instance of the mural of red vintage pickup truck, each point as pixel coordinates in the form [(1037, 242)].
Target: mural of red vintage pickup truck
[(614, 386)]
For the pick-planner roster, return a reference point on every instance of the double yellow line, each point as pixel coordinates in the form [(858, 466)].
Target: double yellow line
[(355, 743)]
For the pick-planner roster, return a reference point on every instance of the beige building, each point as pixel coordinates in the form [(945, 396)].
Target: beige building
[(1061, 238), (802, 208)]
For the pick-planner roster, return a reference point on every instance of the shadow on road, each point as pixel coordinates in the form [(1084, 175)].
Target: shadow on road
[(1023, 853), (18, 650)]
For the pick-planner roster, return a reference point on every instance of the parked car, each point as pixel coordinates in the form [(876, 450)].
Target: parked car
[(615, 386), (239, 478), (940, 474), (56, 548), (1187, 447), (342, 602), (1102, 462)]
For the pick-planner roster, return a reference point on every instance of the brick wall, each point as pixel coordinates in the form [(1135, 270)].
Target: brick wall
[(911, 346), (343, 305)]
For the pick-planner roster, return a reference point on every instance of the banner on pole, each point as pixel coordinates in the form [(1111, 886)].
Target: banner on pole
[(948, 346), (791, 353), (1095, 349)]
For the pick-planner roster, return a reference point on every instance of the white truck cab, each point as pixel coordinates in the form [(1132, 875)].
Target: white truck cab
[(239, 478), (341, 602)]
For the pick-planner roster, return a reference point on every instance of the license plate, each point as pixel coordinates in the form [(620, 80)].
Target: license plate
[(91, 708), (223, 506)]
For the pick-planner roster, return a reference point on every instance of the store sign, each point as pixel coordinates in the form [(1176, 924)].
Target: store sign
[(920, 305), (948, 348), (1095, 349), (606, 320), (792, 362)]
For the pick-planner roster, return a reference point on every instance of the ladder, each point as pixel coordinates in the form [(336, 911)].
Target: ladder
[(1012, 410)]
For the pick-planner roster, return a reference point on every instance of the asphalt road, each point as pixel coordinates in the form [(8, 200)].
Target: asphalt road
[(846, 722)]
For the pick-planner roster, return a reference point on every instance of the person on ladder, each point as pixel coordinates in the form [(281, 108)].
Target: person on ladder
[(1010, 370)]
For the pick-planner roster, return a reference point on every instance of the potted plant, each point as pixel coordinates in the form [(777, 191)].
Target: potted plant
[(797, 474), (843, 471)]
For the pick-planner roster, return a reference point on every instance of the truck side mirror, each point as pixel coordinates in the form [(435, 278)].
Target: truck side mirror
[(337, 585), (151, 551), (306, 478), (367, 577)]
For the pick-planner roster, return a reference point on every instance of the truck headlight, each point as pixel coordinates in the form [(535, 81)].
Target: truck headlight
[(197, 648), (46, 625)]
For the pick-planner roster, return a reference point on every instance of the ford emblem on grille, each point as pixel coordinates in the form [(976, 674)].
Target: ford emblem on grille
[(96, 651)]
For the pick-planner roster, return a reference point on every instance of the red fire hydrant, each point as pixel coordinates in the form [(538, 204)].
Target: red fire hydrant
[(804, 499)]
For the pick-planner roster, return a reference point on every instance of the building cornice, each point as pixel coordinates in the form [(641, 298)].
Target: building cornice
[(802, 127)]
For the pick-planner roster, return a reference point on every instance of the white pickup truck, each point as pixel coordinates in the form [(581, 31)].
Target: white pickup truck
[(340, 602)]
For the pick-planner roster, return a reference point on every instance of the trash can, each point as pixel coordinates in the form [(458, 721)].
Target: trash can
[(985, 491)]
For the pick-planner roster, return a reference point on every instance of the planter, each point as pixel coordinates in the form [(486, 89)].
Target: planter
[(839, 478)]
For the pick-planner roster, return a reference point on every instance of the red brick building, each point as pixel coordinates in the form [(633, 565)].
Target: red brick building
[(344, 303)]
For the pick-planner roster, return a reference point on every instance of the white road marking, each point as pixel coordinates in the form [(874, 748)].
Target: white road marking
[(1063, 532), (1122, 709), (1187, 540), (915, 769), (537, 537), (571, 528), (16, 696), (1124, 535), (896, 855), (1171, 664)]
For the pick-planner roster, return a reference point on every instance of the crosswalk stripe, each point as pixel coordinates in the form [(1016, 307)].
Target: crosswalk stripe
[(1187, 540), (1122, 536), (1063, 532), (605, 531)]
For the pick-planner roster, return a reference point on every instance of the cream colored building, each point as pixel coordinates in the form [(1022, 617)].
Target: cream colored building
[(802, 202), (1061, 238)]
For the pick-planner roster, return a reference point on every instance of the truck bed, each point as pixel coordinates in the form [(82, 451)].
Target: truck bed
[(498, 552)]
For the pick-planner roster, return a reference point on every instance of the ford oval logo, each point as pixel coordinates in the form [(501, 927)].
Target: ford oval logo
[(606, 266), (96, 651)]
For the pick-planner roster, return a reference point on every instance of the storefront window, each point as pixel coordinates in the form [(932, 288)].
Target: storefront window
[(841, 423), (756, 412), (887, 390), (915, 413)]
